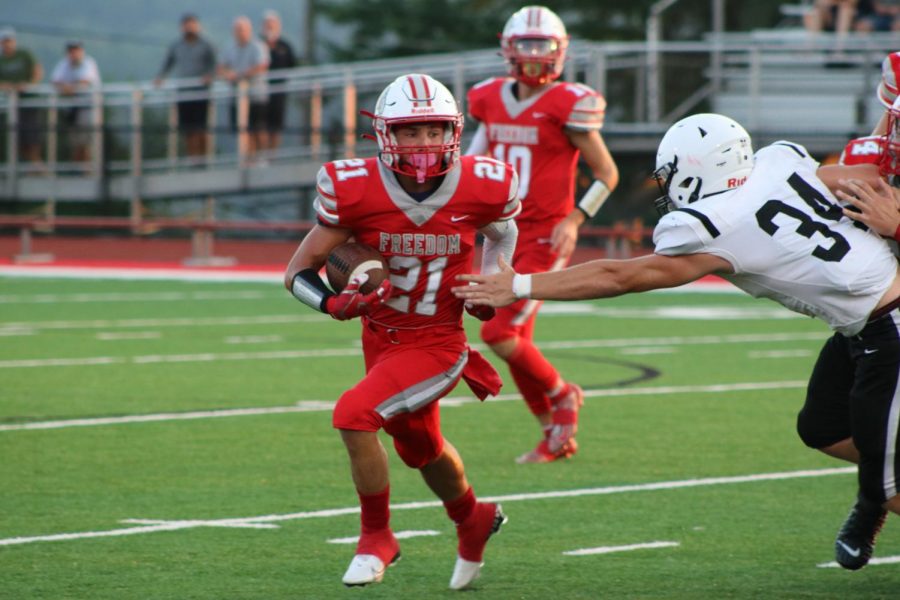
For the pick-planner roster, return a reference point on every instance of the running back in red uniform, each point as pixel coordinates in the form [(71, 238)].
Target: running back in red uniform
[(428, 243)]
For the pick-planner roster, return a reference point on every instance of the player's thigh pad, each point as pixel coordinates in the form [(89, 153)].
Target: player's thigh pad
[(417, 435), (825, 417), (402, 381)]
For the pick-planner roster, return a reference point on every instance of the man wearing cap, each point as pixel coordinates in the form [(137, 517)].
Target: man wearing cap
[(191, 57), (19, 69), (75, 75)]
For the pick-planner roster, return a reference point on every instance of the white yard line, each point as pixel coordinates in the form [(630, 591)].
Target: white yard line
[(131, 297), (627, 548), (173, 322), (161, 525), (115, 336), (400, 535), (883, 560), (334, 352), (452, 401)]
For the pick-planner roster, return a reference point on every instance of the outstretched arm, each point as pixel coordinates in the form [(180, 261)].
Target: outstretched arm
[(595, 279)]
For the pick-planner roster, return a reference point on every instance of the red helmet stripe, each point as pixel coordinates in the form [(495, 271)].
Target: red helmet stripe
[(415, 92), (427, 91), (537, 17)]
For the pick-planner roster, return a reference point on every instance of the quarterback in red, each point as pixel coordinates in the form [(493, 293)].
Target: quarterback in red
[(540, 127), (420, 205)]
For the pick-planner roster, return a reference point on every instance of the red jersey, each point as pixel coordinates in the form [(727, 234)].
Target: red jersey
[(428, 243), (863, 151), (530, 135)]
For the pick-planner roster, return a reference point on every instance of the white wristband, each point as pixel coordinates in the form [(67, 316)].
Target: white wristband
[(521, 286), (593, 198)]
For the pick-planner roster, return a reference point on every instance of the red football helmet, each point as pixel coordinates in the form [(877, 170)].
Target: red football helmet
[(534, 43), (889, 164), (417, 99)]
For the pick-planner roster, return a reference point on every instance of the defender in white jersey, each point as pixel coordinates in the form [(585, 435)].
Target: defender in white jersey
[(769, 225)]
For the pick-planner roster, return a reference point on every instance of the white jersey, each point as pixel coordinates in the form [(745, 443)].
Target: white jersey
[(787, 239)]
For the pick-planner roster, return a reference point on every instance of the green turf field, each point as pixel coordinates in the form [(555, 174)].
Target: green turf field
[(137, 462)]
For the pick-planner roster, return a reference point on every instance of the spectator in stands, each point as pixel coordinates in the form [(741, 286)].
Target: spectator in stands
[(74, 76), (281, 56), (884, 15), (831, 15), (193, 57), (19, 69), (247, 60)]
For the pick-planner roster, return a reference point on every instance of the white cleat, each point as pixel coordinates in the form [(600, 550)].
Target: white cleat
[(363, 570), (464, 573)]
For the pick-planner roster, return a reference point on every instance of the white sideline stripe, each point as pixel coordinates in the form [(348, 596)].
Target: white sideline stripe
[(884, 560), (130, 297), (174, 322), (322, 405), (628, 548), (642, 350), (253, 339), (336, 512), (140, 274), (400, 535), (337, 352)]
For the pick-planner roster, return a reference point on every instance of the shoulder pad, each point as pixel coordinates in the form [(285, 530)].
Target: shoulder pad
[(785, 152), (339, 185), (588, 111), (683, 232), (861, 151)]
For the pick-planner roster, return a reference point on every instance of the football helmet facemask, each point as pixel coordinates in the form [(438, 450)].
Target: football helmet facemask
[(417, 99), (701, 156), (534, 43), (889, 162)]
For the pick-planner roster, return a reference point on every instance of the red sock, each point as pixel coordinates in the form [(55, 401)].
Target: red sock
[(459, 509), (532, 391), (527, 358), (376, 513)]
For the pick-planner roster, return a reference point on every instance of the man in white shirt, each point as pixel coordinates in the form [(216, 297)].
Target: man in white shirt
[(73, 76), (770, 225), (248, 60)]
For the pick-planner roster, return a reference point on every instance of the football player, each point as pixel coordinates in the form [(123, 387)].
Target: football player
[(867, 149), (420, 205), (540, 126), (769, 225)]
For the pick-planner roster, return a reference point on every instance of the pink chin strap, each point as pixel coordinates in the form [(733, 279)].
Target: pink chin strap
[(422, 163)]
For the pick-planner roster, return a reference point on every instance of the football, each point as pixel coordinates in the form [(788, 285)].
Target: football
[(349, 260)]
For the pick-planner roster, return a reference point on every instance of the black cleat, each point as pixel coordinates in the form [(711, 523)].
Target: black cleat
[(856, 539)]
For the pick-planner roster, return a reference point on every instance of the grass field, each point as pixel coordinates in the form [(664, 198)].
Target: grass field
[(173, 440)]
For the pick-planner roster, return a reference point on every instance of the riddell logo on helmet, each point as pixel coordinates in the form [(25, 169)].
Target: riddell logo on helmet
[(736, 182), (421, 111)]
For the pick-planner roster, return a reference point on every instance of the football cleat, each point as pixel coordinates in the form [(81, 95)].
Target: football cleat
[(856, 539), (541, 453), (365, 569), (374, 553), (474, 534), (565, 418)]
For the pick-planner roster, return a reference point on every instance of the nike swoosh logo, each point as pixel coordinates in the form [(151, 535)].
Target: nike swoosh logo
[(454, 218), (868, 351), (854, 552)]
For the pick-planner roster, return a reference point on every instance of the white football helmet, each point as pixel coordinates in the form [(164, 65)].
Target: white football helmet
[(701, 156), (889, 162), (534, 42), (417, 99)]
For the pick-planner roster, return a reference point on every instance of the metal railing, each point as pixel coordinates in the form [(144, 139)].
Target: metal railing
[(133, 139)]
